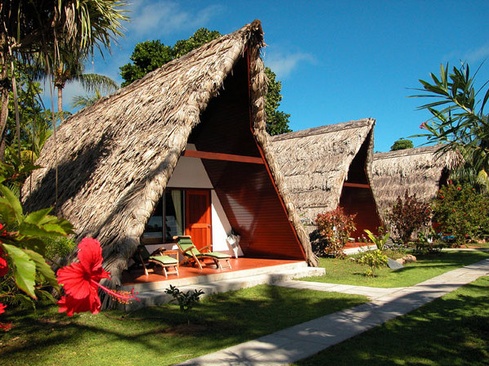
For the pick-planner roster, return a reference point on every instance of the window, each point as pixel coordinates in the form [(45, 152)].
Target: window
[(167, 219)]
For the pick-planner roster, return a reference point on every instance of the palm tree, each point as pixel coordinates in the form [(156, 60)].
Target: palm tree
[(73, 71), (97, 84), (459, 120), (50, 29)]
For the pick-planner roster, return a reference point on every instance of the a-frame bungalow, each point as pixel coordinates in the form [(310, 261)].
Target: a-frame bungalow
[(184, 150), (329, 166)]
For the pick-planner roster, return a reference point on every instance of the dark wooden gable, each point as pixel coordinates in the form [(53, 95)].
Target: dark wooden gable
[(357, 197), (239, 173)]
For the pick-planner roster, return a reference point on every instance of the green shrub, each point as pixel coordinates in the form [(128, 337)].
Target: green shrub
[(186, 300), (408, 216), (58, 249), (429, 243), (374, 259), (461, 212), (335, 227), (380, 240)]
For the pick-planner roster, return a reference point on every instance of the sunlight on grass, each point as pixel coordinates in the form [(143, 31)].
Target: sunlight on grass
[(163, 335), (349, 272), (452, 330)]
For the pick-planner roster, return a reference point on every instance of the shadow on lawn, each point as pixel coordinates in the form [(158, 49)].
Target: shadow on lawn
[(216, 322), (453, 330)]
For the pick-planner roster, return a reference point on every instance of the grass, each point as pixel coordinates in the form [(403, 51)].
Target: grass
[(349, 272), (164, 335), (452, 330), (161, 335)]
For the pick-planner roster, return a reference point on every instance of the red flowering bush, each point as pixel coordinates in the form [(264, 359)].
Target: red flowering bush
[(23, 267), (335, 227), (461, 212), (408, 216)]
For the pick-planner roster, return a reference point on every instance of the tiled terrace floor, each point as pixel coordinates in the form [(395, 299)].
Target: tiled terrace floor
[(137, 276)]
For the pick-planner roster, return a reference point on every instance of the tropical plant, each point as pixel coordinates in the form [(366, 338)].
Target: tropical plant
[(335, 227), (379, 240), (374, 259), (74, 28), (93, 83), (459, 120), (79, 101), (22, 239), (408, 216), (23, 141), (461, 212), (186, 300)]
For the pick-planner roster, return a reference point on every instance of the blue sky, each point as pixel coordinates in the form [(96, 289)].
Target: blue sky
[(337, 60)]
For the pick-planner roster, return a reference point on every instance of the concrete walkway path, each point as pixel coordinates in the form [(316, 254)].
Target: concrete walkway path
[(307, 339)]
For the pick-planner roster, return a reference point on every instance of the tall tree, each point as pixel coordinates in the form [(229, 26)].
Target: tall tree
[(96, 84), (459, 120), (93, 83), (277, 121), (33, 130), (51, 30), (200, 37), (146, 57), (150, 55), (402, 144)]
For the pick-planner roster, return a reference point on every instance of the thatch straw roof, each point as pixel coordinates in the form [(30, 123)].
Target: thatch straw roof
[(316, 163), (419, 171), (114, 159)]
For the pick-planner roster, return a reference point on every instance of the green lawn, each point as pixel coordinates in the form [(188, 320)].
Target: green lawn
[(347, 271), (161, 335), (452, 330), (165, 336)]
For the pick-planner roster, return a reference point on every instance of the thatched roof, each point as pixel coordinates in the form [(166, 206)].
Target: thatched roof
[(420, 171), (114, 159), (316, 163)]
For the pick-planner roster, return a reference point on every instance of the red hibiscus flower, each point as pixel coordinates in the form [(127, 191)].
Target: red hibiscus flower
[(3, 263), (80, 281), (4, 326)]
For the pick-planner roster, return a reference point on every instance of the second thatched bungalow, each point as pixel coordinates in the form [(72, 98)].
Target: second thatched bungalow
[(182, 151), (327, 167)]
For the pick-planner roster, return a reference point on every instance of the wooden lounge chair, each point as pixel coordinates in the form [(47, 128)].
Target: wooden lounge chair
[(166, 261), (196, 256)]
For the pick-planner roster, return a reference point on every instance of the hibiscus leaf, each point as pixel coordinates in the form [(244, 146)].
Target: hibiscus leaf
[(34, 243), (50, 225), (32, 230), (24, 269), (43, 268), (7, 213), (37, 217), (10, 199)]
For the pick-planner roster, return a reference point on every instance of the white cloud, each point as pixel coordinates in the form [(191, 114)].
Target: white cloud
[(473, 57), (162, 17), (477, 55), (284, 64)]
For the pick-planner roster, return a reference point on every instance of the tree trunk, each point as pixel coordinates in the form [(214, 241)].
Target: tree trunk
[(60, 103), (4, 95)]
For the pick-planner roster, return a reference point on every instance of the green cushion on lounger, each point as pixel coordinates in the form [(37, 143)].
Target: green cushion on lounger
[(164, 259), (215, 255)]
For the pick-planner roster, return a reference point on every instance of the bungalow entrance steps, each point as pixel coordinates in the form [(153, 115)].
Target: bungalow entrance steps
[(153, 293)]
